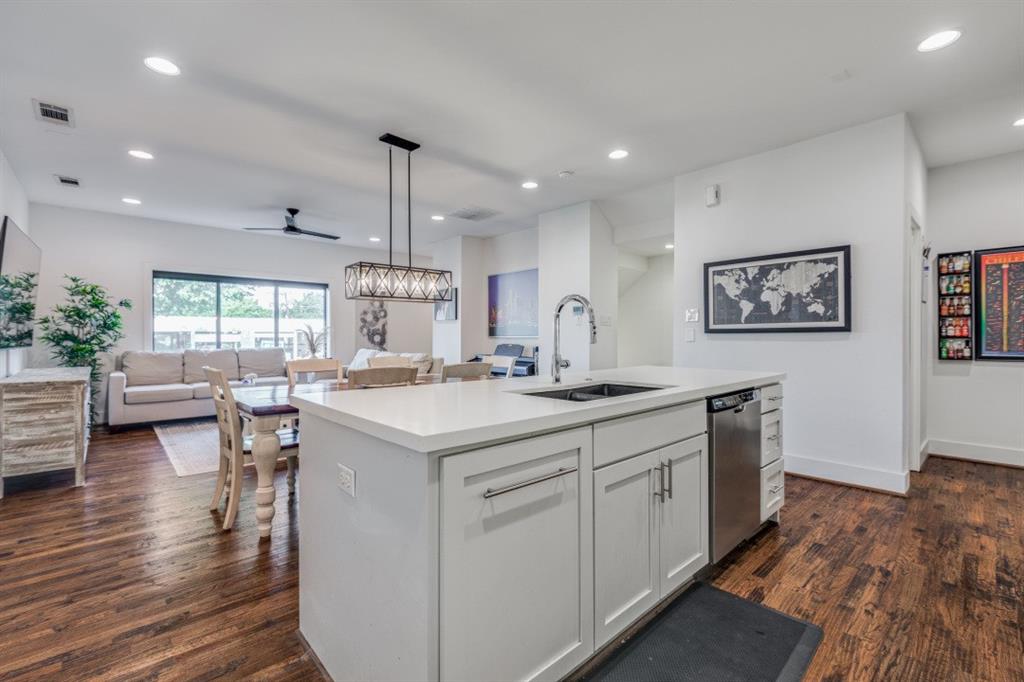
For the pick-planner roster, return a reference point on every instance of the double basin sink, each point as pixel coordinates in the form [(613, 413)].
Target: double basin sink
[(581, 394)]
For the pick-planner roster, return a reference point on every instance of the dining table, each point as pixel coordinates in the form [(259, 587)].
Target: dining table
[(264, 407)]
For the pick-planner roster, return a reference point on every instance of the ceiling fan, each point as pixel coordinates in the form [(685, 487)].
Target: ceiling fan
[(291, 228)]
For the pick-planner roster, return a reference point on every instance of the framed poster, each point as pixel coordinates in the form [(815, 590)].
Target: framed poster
[(446, 311), (800, 291), (999, 304), (512, 304)]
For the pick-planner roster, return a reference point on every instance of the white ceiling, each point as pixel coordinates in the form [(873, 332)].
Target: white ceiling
[(280, 103)]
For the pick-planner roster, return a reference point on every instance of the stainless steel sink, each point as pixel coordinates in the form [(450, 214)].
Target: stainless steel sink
[(582, 394)]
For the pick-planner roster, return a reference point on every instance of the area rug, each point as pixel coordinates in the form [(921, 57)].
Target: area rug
[(707, 634), (192, 446)]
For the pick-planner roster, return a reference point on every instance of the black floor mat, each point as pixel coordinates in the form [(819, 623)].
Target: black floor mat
[(710, 635)]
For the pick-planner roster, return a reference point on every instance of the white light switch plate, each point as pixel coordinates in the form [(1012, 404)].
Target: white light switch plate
[(692, 315), (691, 335), (347, 479)]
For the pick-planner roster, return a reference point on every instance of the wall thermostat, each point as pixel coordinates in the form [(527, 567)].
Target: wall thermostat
[(712, 195)]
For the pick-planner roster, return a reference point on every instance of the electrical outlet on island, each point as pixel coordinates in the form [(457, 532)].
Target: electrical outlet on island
[(347, 479)]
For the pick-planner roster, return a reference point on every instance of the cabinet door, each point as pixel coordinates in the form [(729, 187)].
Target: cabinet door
[(516, 599), (683, 514), (625, 544)]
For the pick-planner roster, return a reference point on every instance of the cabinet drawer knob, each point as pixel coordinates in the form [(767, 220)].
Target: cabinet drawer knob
[(494, 492)]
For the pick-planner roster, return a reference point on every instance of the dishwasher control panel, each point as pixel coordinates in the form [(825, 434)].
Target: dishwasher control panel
[(733, 400)]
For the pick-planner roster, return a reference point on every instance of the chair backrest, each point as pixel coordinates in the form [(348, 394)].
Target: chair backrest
[(229, 423), (513, 349), (296, 367), (381, 376), (505, 363), (465, 370), (389, 361)]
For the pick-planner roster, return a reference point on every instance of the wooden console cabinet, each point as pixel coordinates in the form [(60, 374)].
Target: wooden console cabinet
[(44, 422)]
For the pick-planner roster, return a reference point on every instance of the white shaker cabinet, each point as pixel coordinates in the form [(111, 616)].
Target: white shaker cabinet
[(650, 531), (516, 599)]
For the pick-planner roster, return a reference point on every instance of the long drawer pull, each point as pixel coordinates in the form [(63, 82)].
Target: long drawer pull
[(774, 489), (494, 492)]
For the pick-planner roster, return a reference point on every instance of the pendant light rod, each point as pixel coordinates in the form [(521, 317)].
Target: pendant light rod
[(409, 199), (391, 208)]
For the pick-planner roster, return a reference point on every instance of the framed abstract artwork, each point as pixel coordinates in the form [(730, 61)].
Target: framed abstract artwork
[(799, 291), (999, 304), (512, 304), (446, 311)]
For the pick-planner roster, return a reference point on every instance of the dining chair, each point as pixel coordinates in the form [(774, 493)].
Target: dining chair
[(389, 361), (317, 365), (505, 363), (236, 449), (377, 377), (466, 370)]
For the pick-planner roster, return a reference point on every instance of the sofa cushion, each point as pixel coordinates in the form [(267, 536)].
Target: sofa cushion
[(224, 360), (362, 358), (157, 393), (144, 368), (201, 389), (421, 361), (263, 362)]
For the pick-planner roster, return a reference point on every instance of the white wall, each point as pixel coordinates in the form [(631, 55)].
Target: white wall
[(510, 252), (844, 392), (13, 203), (577, 255), (120, 252), (645, 316), (975, 409)]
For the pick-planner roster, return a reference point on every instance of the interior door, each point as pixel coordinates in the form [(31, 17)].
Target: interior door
[(625, 544), (683, 514), (516, 597)]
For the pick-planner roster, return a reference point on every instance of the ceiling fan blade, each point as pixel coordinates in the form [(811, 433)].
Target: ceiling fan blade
[(262, 229), (308, 233)]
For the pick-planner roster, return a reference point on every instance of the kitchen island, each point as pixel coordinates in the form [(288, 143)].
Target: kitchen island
[(472, 531)]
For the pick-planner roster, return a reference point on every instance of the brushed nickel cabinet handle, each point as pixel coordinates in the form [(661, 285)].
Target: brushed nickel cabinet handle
[(494, 492), (774, 489), (668, 468)]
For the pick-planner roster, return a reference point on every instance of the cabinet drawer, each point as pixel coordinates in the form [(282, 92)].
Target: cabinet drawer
[(773, 489), (771, 437), (619, 439), (771, 398)]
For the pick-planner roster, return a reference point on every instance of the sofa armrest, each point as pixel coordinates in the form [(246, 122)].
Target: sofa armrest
[(115, 398)]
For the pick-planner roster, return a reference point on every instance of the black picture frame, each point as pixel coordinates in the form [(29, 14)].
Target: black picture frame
[(846, 297), (980, 353)]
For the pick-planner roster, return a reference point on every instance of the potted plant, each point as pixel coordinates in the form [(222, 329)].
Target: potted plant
[(82, 328)]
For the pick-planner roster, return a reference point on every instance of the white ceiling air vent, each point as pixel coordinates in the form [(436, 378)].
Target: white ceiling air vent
[(54, 113), (66, 180), (475, 213)]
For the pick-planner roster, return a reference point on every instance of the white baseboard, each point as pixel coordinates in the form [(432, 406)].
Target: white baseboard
[(879, 479), (922, 455), (977, 453)]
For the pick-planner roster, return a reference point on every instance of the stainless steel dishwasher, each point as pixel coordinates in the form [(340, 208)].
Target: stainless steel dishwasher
[(734, 430)]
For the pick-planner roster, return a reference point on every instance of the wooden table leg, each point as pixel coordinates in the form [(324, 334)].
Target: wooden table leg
[(266, 448)]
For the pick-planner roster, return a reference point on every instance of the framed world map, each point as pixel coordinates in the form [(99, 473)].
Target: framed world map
[(801, 291)]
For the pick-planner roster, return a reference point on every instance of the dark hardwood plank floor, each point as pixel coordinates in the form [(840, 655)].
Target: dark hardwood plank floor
[(130, 578)]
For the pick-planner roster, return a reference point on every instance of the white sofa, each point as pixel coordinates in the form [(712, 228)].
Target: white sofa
[(149, 387), (423, 363)]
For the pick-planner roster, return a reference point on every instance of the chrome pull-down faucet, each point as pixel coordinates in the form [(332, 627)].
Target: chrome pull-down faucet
[(557, 363)]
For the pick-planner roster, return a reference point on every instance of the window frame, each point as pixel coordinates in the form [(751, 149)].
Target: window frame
[(219, 280)]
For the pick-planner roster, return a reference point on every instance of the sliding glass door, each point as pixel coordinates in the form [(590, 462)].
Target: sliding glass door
[(205, 312)]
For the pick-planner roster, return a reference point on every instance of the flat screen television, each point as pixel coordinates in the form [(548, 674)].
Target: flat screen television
[(19, 278)]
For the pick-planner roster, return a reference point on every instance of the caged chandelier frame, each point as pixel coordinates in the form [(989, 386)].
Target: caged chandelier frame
[(387, 281)]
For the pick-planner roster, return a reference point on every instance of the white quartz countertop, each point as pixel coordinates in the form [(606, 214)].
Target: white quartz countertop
[(458, 415)]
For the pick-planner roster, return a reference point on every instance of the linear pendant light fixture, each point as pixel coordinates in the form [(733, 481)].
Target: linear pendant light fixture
[(390, 282)]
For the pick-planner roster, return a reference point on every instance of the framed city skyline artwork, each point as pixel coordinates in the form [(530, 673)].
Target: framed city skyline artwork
[(999, 304), (512, 307)]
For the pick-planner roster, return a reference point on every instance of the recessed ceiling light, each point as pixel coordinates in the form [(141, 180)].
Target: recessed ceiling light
[(139, 154), (670, 246), (938, 41), (438, 218), (1019, 123), (618, 154), (132, 201), (530, 184), (374, 239), (162, 66)]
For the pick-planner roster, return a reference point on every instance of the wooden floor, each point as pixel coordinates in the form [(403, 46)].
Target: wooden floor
[(129, 578)]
